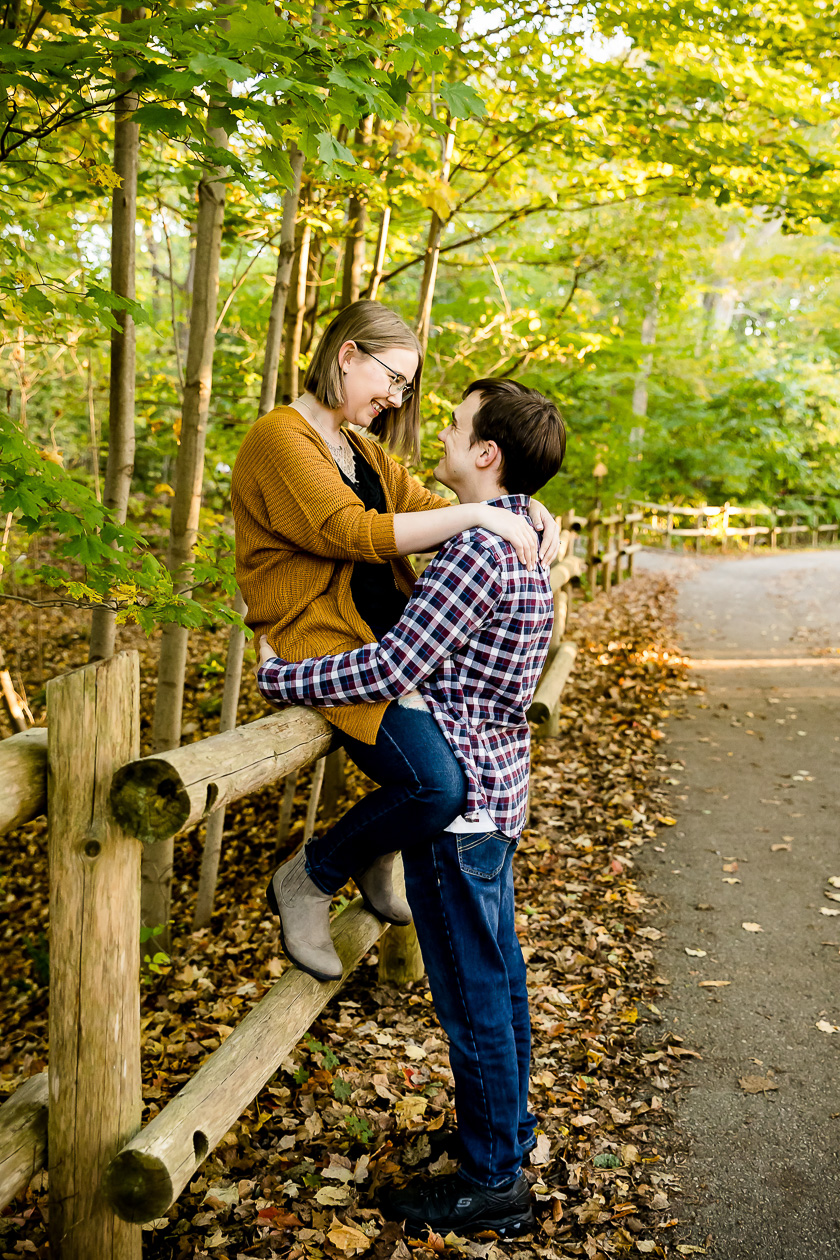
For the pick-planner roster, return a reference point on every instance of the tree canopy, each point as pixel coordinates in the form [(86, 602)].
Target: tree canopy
[(631, 207)]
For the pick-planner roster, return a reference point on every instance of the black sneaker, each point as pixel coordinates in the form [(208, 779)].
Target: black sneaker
[(452, 1203)]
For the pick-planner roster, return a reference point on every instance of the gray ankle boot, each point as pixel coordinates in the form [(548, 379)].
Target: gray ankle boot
[(376, 886), (304, 913)]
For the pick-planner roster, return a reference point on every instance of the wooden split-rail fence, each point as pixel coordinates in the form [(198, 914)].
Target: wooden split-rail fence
[(80, 1119), (764, 527)]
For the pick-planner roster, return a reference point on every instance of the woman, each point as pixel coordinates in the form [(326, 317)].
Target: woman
[(325, 519)]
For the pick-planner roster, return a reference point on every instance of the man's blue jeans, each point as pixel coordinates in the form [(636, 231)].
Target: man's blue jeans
[(422, 789), (460, 889)]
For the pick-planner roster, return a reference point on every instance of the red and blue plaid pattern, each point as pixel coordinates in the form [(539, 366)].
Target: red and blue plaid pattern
[(473, 641)]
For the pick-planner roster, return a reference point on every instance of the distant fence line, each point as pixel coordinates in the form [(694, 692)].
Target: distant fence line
[(610, 541)]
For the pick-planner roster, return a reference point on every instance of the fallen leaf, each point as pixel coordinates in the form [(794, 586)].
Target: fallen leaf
[(347, 1238), (828, 911), (666, 821), (541, 1154), (410, 1110), (695, 953), (333, 1196), (713, 984), (649, 934), (752, 927), (729, 880), (645, 1245), (832, 896), (216, 1239), (825, 1027), (834, 880), (731, 867), (221, 1196), (777, 848), (757, 1084), (688, 1249)]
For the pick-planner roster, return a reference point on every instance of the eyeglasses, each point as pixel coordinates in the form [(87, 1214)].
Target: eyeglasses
[(399, 385)]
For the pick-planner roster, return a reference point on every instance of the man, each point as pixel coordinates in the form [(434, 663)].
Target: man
[(471, 646)]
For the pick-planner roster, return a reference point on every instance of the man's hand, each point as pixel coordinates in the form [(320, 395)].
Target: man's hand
[(545, 521)]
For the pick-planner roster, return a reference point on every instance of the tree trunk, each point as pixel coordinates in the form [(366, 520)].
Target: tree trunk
[(436, 225), (649, 323), (186, 502), (379, 255), (214, 835), (120, 462), (296, 312), (216, 822), (354, 250), (313, 292), (285, 258)]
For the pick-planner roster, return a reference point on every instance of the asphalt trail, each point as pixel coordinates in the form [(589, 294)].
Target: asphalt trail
[(755, 763)]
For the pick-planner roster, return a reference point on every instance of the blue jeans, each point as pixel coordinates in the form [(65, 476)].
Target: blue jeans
[(460, 889), (422, 789)]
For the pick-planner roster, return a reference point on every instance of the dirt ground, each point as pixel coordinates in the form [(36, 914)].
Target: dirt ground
[(749, 912)]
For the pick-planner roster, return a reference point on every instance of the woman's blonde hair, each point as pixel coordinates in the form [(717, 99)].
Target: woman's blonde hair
[(376, 328)]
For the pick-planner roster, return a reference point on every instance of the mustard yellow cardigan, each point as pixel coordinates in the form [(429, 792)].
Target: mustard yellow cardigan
[(299, 528)]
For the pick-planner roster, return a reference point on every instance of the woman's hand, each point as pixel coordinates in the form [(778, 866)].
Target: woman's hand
[(547, 522), (517, 530), (266, 653)]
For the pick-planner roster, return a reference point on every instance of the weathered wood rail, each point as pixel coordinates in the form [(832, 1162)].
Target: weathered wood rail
[(81, 1119)]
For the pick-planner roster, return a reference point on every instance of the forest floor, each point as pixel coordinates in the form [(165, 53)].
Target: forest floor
[(365, 1101)]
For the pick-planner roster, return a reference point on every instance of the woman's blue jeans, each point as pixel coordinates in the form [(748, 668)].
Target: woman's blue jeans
[(460, 889), (422, 789)]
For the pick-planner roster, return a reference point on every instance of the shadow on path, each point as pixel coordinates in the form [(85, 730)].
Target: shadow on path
[(756, 780)]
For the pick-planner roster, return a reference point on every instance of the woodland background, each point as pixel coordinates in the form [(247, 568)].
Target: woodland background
[(630, 206)]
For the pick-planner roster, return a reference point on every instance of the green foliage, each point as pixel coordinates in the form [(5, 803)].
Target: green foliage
[(359, 1129), (95, 560)]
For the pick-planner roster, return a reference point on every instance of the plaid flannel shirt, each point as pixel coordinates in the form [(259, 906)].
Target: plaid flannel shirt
[(473, 641)]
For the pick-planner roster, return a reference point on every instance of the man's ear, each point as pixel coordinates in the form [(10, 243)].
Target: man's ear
[(489, 455)]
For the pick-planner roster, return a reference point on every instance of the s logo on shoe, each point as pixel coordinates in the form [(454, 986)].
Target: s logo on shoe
[(463, 1203)]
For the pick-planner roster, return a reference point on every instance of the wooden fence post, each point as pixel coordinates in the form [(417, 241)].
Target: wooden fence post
[(610, 566), (285, 821), (400, 959), (592, 553), (631, 542), (94, 1019), (335, 781), (701, 524)]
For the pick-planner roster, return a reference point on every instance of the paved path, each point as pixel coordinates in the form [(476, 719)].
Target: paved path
[(761, 758)]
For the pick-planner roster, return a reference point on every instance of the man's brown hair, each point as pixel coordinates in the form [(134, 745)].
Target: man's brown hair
[(374, 328), (527, 428)]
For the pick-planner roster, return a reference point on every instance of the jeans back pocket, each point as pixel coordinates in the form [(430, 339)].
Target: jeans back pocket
[(482, 853)]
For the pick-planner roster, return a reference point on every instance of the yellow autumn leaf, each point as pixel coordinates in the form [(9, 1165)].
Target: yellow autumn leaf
[(347, 1238)]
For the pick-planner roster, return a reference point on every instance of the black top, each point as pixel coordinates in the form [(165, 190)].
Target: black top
[(378, 599)]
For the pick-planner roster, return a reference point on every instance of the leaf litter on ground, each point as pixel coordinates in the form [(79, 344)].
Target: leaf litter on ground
[(365, 1100)]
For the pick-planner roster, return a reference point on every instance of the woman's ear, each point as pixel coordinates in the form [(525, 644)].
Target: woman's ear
[(345, 355)]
